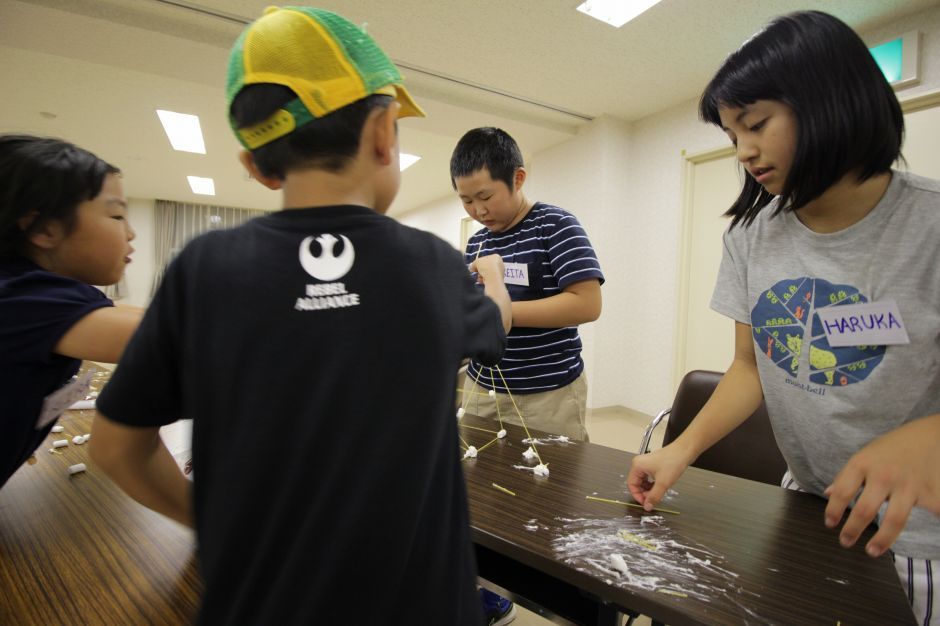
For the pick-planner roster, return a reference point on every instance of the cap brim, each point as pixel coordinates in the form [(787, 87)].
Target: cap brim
[(409, 108)]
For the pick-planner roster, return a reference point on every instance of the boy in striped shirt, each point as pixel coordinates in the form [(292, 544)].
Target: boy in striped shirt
[(554, 280)]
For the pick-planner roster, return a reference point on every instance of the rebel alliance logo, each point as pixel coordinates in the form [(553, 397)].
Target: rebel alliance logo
[(327, 266)]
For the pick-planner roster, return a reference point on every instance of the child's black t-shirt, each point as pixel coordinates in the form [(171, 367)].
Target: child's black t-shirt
[(37, 308), (316, 351)]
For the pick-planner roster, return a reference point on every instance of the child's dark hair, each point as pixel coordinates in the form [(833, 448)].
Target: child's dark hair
[(48, 176), (328, 143), (487, 147), (848, 118)]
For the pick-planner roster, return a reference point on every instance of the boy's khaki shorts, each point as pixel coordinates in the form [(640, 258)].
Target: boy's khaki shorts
[(559, 411)]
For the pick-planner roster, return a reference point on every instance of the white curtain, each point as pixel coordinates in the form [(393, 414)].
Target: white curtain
[(175, 223)]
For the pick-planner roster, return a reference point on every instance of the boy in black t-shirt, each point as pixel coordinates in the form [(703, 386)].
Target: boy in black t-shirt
[(63, 228), (314, 349)]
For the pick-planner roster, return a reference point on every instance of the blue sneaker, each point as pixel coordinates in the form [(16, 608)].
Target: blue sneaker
[(498, 610)]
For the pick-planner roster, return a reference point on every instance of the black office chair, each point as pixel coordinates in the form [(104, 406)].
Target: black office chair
[(749, 451)]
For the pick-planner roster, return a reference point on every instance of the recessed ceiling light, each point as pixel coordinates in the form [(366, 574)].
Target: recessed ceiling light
[(406, 160), (202, 186), (183, 131), (615, 12)]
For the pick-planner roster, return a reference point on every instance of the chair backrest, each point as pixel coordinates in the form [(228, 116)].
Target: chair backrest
[(749, 451)]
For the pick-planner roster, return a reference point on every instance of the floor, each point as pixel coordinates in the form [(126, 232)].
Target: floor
[(615, 427)]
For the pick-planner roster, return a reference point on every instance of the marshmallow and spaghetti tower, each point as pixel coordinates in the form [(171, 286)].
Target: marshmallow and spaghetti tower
[(470, 451)]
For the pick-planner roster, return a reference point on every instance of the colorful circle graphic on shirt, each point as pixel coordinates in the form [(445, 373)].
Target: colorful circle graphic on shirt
[(780, 329)]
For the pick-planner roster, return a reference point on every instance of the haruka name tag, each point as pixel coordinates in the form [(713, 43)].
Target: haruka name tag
[(517, 274), (866, 324)]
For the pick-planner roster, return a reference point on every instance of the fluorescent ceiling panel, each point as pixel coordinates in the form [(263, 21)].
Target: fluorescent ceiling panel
[(183, 130), (406, 160), (202, 186), (615, 12)]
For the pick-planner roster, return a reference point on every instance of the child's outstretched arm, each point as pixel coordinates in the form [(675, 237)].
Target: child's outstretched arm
[(491, 272), (901, 467), (737, 396), (578, 303), (101, 335), (137, 460)]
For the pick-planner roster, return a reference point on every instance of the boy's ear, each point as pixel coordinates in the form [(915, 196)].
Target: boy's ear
[(385, 133), (27, 220), (247, 160), (49, 234), (518, 178)]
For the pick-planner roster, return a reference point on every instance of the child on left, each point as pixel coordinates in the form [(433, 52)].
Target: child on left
[(63, 228)]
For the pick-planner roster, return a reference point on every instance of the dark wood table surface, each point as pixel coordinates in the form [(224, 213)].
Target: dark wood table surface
[(74, 549), (738, 552)]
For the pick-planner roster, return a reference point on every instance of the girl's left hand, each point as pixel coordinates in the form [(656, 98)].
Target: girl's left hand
[(901, 467)]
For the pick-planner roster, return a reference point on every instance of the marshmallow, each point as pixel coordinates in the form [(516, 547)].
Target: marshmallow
[(471, 453), (501, 434), (530, 454), (460, 412), (541, 469), (78, 467), (492, 393), (78, 440), (60, 443), (57, 429)]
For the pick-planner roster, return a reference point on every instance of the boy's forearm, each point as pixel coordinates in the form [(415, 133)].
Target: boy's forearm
[(579, 303), (144, 468), (497, 293)]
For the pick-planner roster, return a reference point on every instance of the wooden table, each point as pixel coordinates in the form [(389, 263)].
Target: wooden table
[(74, 549), (738, 552)]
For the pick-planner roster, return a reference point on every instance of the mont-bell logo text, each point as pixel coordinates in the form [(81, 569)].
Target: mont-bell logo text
[(328, 264)]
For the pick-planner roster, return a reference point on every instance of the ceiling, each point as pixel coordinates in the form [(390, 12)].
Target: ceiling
[(94, 71)]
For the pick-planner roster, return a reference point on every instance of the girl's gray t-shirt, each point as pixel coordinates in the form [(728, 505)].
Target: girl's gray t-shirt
[(825, 402)]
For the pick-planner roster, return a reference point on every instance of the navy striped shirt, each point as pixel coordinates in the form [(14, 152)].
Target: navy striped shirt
[(548, 250)]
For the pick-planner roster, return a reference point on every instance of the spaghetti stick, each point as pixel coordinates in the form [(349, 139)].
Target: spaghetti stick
[(499, 415), (485, 446), (630, 504), (503, 489), (519, 413)]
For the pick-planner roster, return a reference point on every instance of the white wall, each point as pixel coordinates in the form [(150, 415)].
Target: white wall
[(624, 182), (441, 217)]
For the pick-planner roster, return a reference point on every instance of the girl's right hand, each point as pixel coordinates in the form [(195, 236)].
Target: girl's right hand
[(652, 474)]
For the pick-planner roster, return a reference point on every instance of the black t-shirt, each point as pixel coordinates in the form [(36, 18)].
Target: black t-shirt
[(316, 351), (37, 308)]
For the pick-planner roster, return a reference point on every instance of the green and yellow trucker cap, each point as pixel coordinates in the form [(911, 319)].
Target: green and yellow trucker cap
[(325, 59)]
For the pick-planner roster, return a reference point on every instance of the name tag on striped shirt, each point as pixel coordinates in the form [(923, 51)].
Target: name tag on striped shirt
[(517, 274)]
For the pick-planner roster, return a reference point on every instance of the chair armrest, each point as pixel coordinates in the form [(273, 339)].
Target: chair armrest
[(648, 433)]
